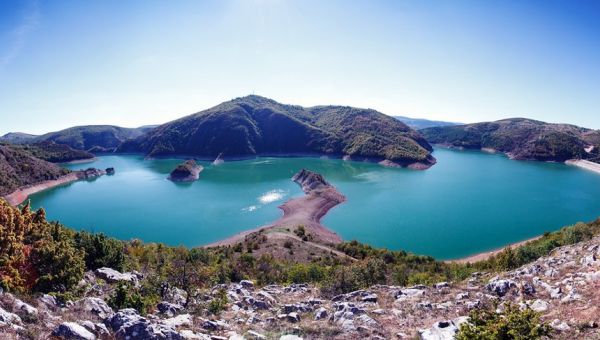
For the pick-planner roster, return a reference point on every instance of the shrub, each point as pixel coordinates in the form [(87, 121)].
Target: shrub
[(100, 251), (218, 303), (125, 296), (512, 323)]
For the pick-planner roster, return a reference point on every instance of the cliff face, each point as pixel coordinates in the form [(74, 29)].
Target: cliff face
[(521, 139), (256, 125)]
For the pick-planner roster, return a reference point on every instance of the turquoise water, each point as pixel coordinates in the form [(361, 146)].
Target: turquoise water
[(467, 203)]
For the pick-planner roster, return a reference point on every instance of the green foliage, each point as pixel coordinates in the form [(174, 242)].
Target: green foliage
[(218, 303), (126, 296), (59, 263), (523, 138), (52, 152), (513, 258), (19, 168), (512, 323), (100, 251), (253, 124), (36, 255)]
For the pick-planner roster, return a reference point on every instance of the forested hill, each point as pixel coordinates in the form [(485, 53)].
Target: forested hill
[(93, 138), (19, 167), (257, 125), (521, 138)]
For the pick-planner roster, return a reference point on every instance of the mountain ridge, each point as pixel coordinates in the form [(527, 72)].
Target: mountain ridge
[(521, 138), (254, 125)]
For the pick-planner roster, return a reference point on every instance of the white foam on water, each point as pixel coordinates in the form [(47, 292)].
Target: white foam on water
[(250, 208), (272, 196)]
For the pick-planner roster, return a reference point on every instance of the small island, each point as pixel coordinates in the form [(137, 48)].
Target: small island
[(187, 171)]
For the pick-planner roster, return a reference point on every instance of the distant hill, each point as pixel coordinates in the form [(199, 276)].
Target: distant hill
[(256, 125), (418, 123), (19, 168), (93, 138), (55, 153), (17, 138), (521, 138)]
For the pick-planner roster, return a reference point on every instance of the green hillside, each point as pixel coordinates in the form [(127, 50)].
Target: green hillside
[(257, 125), (521, 139)]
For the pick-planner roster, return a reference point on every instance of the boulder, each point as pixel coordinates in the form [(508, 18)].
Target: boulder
[(168, 309), (179, 321), (290, 337), (500, 286), (48, 301), (74, 331), (112, 276), (539, 305), (99, 329), (93, 305), (321, 313), (370, 298), (442, 330), (7, 318), (293, 317), (247, 284), (128, 324)]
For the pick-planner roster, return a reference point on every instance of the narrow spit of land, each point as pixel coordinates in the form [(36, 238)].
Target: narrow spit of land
[(306, 211)]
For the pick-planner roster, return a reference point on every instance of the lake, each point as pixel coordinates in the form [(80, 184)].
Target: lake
[(467, 203)]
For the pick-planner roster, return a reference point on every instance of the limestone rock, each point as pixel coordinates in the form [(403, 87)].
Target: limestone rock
[(73, 331)]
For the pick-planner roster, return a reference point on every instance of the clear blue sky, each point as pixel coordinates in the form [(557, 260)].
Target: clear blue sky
[(131, 63)]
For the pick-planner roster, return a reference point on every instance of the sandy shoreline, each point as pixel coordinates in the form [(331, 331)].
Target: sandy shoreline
[(487, 254), (20, 195), (587, 165)]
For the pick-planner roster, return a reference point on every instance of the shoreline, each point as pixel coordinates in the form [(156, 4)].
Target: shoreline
[(307, 210), (584, 164), (487, 254), (21, 194), (413, 165), (81, 161)]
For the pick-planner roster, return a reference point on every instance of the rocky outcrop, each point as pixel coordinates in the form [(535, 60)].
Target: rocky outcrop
[(110, 275), (561, 286), (73, 331), (310, 181), (187, 171), (90, 173)]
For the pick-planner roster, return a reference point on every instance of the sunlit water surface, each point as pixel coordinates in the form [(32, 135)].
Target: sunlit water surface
[(467, 203)]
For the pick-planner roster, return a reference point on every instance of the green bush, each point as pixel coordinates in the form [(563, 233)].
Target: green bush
[(512, 323), (126, 296), (100, 251)]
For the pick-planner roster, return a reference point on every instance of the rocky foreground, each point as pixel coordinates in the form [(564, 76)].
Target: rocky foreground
[(562, 287)]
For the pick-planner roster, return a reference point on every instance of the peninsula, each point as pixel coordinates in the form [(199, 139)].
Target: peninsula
[(300, 223)]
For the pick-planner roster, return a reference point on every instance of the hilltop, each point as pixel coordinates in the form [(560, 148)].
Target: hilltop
[(521, 138), (256, 125)]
